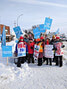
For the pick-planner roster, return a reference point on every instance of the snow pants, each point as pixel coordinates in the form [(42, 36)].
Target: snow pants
[(44, 59), (39, 61), (27, 57), (30, 58), (59, 61), (20, 60), (54, 59), (48, 60)]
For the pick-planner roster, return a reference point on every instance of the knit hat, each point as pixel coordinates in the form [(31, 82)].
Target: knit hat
[(41, 37), (21, 37), (38, 39), (57, 37), (53, 36)]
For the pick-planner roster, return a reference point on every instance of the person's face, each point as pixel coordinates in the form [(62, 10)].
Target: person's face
[(53, 38), (30, 40), (40, 39), (21, 39), (37, 42), (57, 39)]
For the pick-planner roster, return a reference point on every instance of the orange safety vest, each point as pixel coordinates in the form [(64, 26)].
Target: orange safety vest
[(41, 47)]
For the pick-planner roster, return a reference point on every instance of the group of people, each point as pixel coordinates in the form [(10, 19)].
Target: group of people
[(29, 42)]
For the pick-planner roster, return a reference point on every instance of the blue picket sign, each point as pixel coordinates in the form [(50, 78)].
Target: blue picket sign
[(48, 23), (3, 37), (18, 32), (6, 51), (36, 33), (57, 31), (41, 26)]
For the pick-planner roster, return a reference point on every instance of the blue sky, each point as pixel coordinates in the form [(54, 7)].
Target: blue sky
[(34, 13)]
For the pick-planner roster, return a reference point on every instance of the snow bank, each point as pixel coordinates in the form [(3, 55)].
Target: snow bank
[(32, 76), (11, 73)]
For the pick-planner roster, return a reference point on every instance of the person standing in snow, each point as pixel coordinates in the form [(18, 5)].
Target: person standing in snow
[(48, 60), (53, 39), (20, 51), (58, 53), (40, 44), (26, 39), (30, 46), (52, 43)]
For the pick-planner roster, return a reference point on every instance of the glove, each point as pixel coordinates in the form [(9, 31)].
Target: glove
[(63, 46), (54, 49), (43, 40), (15, 54)]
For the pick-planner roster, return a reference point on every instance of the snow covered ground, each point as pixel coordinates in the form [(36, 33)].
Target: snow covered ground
[(32, 76)]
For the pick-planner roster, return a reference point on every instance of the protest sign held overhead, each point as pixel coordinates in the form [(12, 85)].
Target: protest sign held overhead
[(47, 24), (36, 32), (41, 26), (57, 31), (17, 31)]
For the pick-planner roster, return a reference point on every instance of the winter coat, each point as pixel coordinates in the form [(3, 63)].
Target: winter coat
[(26, 40), (59, 46), (41, 47), (26, 49), (52, 42), (30, 47), (16, 48), (47, 42), (41, 50)]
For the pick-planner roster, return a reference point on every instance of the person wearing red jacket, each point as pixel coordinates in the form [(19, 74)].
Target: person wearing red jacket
[(30, 46)]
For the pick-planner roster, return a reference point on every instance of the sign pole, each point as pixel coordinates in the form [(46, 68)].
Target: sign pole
[(7, 61)]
